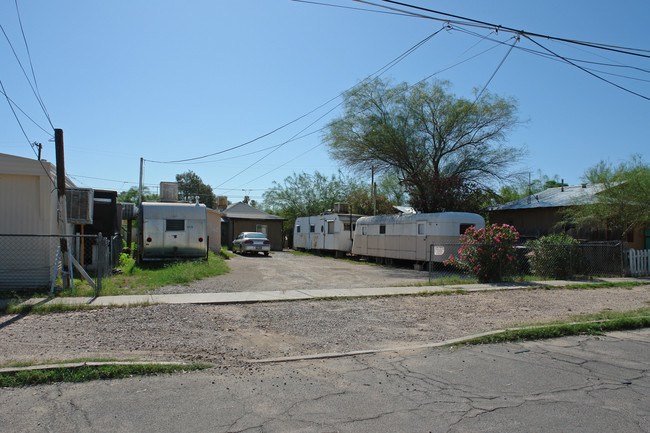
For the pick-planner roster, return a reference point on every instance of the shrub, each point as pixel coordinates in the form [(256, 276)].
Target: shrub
[(487, 253), (554, 255)]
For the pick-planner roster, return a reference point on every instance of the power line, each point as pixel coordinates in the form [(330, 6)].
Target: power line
[(353, 8), (25, 133), (608, 47), (587, 71), (529, 35), (11, 101), (478, 96), (40, 102), (378, 73), (31, 65)]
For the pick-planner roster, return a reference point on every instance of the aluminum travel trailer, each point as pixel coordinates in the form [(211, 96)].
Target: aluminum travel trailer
[(410, 236), (328, 232), (173, 231)]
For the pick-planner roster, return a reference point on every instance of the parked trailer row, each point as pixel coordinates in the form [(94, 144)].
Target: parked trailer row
[(328, 232), (401, 236), (410, 236)]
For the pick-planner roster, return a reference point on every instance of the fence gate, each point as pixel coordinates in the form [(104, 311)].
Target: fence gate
[(639, 263)]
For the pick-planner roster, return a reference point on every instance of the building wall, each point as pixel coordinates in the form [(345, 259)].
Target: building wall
[(534, 223), (214, 231), (29, 204)]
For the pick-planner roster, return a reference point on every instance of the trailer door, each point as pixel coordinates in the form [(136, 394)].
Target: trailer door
[(421, 241)]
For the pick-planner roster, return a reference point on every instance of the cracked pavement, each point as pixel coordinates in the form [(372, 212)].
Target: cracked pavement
[(577, 384)]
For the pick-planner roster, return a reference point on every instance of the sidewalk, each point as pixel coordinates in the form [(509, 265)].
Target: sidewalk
[(302, 294)]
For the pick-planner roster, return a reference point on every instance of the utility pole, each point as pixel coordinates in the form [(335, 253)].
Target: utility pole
[(140, 186), (60, 188), (373, 190)]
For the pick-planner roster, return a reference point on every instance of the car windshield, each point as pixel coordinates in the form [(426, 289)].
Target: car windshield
[(255, 236)]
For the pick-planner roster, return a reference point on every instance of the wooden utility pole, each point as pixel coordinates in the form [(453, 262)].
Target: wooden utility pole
[(373, 190), (140, 186), (62, 214)]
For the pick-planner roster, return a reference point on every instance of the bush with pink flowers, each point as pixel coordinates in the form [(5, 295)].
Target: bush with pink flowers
[(487, 253)]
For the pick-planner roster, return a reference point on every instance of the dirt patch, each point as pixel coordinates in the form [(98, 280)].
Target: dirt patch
[(228, 334)]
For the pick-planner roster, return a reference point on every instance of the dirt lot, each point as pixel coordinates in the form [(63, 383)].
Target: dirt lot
[(228, 334), (286, 271)]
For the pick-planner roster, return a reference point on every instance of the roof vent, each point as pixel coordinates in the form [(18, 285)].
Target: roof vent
[(584, 185)]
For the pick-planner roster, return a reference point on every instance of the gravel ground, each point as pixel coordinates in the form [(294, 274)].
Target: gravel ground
[(228, 334), (286, 271)]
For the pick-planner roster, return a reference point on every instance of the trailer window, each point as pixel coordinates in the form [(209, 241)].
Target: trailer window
[(174, 225), (330, 227), (346, 227), (364, 230), (382, 229), (421, 229), (312, 228), (464, 227), (298, 229)]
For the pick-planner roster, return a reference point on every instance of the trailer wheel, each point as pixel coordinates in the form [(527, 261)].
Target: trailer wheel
[(266, 253)]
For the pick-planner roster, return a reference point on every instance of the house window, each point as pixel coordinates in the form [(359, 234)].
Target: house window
[(382, 229), (421, 229), (464, 227), (312, 228), (174, 225), (262, 228), (298, 229)]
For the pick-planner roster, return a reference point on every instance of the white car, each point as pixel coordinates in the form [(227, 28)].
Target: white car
[(251, 242)]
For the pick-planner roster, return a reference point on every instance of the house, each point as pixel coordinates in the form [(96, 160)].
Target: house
[(541, 214), (241, 217), (29, 207)]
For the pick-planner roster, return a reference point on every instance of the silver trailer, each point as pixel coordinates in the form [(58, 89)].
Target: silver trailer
[(410, 236), (173, 231), (327, 232)]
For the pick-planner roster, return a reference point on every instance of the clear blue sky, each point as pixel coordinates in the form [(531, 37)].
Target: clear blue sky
[(170, 80)]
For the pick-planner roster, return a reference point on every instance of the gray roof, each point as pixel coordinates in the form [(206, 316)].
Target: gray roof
[(554, 197), (242, 210)]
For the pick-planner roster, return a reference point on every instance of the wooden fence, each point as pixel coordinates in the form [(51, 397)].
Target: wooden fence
[(639, 263)]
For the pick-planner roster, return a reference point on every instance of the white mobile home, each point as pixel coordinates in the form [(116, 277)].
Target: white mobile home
[(328, 232), (28, 200), (410, 236), (173, 231)]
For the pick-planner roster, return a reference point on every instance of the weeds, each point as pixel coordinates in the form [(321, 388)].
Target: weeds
[(590, 324), (87, 373)]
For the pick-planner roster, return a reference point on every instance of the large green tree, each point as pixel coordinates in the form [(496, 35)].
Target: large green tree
[(425, 132), (306, 194), (624, 200), (191, 187)]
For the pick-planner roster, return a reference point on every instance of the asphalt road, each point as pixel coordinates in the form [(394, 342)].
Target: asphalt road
[(576, 384)]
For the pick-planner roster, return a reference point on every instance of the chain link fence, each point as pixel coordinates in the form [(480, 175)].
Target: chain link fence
[(534, 262), (37, 262)]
